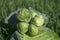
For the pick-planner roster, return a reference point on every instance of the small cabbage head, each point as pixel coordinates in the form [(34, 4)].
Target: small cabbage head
[(38, 20), (22, 27), (33, 30)]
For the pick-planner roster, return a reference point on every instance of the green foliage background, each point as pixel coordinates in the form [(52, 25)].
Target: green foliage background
[(49, 7)]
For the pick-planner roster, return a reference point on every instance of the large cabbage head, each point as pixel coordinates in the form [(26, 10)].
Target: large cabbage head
[(24, 15)]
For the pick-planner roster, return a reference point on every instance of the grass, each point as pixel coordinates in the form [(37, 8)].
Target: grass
[(49, 7)]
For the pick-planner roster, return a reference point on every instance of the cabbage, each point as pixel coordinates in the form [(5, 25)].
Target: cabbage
[(22, 27), (38, 20), (33, 30), (24, 15)]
